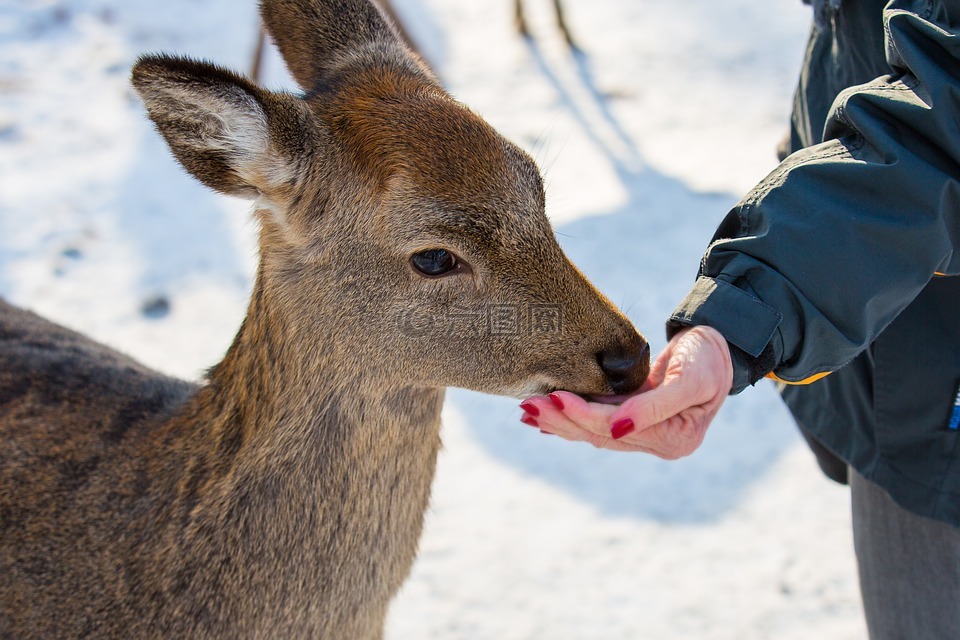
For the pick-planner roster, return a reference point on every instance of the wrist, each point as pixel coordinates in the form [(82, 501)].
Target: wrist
[(723, 351), (743, 370), (722, 361)]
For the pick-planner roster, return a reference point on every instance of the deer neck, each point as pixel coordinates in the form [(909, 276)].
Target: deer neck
[(326, 473)]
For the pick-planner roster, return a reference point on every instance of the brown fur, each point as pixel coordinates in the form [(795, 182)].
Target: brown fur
[(392, 20), (283, 497)]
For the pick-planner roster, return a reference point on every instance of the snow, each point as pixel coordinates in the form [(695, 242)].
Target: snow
[(647, 138)]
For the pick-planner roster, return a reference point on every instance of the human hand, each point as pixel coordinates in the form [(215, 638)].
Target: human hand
[(668, 416)]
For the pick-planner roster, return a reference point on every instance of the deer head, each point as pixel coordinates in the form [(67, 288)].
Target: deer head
[(402, 239)]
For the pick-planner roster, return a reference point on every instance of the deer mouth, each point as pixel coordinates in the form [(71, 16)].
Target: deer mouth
[(611, 399), (590, 397)]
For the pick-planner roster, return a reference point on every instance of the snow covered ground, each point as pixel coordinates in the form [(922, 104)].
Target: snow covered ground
[(646, 140)]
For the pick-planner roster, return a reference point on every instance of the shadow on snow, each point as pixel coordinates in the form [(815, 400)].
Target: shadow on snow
[(644, 256)]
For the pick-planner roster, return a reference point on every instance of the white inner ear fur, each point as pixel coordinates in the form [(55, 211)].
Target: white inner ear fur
[(234, 124)]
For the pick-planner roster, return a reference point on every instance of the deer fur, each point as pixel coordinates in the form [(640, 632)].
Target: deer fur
[(386, 6), (283, 496)]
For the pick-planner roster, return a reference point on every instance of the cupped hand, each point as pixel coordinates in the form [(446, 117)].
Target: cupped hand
[(668, 416)]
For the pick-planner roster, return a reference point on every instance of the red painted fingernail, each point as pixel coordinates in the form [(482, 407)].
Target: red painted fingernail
[(622, 427), (530, 408), (529, 420), (546, 433), (557, 401)]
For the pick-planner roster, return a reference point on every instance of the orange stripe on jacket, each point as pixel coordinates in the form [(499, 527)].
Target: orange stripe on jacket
[(812, 378)]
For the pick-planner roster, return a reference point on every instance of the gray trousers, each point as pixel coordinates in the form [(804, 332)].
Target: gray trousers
[(909, 568)]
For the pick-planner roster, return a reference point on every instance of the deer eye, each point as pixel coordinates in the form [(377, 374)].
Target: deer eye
[(434, 262)]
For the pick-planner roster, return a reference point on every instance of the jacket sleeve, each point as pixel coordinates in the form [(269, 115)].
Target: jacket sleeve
[(811, 265)]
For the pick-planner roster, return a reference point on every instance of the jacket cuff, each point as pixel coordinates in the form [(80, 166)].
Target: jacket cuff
[(748, 324)]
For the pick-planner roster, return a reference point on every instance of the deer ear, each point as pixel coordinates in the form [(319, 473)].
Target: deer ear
[(232, 135), (317, 38)]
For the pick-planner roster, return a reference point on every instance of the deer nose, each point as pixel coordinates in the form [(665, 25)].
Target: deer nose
[(625, 368)]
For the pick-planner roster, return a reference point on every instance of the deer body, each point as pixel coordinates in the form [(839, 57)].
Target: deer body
[(186, 528), (283, 497)]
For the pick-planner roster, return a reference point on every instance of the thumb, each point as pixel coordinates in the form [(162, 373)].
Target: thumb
[(659, 404), (658, 370), (693, 369)]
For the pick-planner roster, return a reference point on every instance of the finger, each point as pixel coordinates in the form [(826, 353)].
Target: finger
[(683, 388), (649, 409), (558, 425), (591, 416), (544, 412), (575, 433), (679, 435), (540, 411), (553, 421), (551, 411), (658, 370), (602, 442), (571, 417)]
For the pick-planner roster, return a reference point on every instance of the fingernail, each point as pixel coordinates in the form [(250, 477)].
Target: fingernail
[(557, 402), (546, 433), (622, 427), (530, 408), (529, 420)]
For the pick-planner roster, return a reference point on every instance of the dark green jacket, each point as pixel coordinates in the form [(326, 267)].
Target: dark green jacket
[(840, 261)]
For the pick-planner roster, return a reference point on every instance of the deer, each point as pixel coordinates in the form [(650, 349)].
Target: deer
[(386, 6), (519, 22), (283, 495)]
